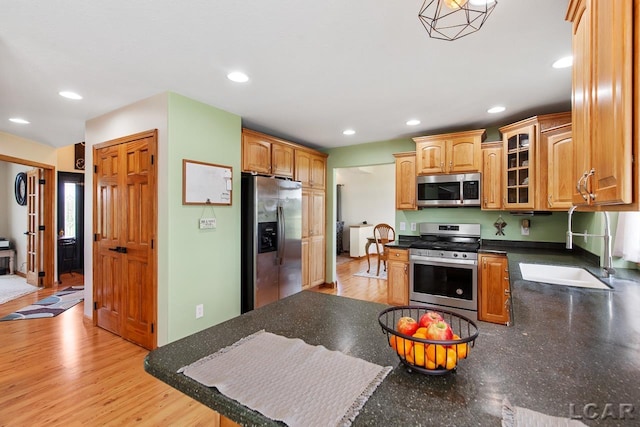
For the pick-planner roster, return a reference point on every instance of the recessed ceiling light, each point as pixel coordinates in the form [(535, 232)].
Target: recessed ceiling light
[(565, 62), (413, 122), (69, 95), (238, 77), (19, 120), (496, 109), (349, 132)]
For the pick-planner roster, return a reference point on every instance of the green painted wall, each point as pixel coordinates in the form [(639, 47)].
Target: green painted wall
[(550, 228), (594, 223), (203, 265)]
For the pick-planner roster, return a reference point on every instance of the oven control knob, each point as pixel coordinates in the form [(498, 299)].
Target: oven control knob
[(459, 291), (441, 253), (455, 255), (464, 255)]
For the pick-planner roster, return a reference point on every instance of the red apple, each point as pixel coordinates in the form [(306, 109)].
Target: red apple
[(428, 318), (407, 325), (439, 330)]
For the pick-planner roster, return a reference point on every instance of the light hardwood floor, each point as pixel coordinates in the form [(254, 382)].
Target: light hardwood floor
[(66, 372)]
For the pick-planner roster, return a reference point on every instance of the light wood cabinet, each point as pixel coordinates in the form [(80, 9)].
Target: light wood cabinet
[(525, 161), (406, 181), (449, 153), (398, 276), (310, 169), (491, 175), (265, 154), (556, 186), (494, 289), (316, 260), (313, 237), (605, 100), (519, 142)]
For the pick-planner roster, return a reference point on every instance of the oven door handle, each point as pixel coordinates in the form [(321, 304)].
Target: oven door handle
[(416, 259)]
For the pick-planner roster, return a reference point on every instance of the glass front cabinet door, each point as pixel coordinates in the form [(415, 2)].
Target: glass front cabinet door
[(519, 177)]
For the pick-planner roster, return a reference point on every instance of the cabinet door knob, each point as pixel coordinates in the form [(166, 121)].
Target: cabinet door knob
[(506, 291)]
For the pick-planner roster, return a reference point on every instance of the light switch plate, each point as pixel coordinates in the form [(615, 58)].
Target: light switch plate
[(403, 226), (413, 226), (199, 311)]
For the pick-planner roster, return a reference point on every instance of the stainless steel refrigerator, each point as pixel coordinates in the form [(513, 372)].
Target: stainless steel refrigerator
[(271, 240)]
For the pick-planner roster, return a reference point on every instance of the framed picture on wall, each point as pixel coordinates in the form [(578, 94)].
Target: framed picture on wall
[(79, 156)]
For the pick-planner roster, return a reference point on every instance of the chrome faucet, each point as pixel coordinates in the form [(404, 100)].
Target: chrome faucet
[(607, 268)]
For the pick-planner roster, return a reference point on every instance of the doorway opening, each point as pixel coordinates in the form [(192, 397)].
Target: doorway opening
[(70, 223)]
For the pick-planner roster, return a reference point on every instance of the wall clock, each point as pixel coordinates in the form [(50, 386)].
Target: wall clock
[(21, 188)]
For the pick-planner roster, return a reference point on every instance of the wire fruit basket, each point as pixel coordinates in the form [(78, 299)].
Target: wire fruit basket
[(429, 356)]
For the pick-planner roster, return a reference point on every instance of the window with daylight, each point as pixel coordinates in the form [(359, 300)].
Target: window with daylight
[(70, 209)]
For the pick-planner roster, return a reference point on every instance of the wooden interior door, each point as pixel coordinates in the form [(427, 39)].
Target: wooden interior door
[(34, 229), (124, 226)]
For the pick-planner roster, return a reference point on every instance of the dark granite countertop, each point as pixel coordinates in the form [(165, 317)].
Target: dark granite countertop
[(567, 348)]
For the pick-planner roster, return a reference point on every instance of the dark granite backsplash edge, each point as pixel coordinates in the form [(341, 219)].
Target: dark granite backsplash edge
[(553, 246)]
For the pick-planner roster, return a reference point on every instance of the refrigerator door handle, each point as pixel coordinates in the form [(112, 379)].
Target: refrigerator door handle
[(281, 235)]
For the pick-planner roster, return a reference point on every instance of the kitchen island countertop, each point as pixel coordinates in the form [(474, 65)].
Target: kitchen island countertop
[(567, 348)]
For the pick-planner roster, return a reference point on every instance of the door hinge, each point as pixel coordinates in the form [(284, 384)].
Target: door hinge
[(41, 274), (152, 158), (41, 227), (152, 327), (151, 243), (95, 305), (95, 168), (42, 181)]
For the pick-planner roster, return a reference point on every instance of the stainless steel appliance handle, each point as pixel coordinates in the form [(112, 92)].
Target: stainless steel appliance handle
[(416, 259), (281, 235)]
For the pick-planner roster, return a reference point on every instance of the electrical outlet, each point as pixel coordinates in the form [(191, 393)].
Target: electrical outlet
[(585, 235), (413, 226), (199, 311), (403, 226)]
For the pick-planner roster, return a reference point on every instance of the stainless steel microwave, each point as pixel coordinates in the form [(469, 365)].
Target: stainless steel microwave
[(448, 190)]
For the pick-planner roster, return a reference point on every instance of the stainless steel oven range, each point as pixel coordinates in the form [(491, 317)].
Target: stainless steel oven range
[(444, 267)]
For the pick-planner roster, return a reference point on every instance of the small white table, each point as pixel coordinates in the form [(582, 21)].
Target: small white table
[(11, 254)]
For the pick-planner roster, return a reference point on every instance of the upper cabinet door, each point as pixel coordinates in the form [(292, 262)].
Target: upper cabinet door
[(310, 169), (519, 179), (605, 43), (406, 181), (458, 152), (431, 157), (282, 160), (581, 98), (256, 154), (463, 155), (492, 177), (559, 168), (612, 93), (318, 171)]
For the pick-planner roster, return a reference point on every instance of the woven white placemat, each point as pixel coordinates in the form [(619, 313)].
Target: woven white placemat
[(515, 416), (289, 380)]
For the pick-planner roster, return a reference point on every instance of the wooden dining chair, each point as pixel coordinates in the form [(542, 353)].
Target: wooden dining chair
[(383, 234)]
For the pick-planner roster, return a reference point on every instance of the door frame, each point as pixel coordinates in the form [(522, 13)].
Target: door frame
[(48, 203)]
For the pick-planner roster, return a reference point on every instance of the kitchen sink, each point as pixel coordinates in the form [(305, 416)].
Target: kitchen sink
[(561, 275)]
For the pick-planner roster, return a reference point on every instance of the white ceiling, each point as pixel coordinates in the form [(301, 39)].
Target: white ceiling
[(316, 67)]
